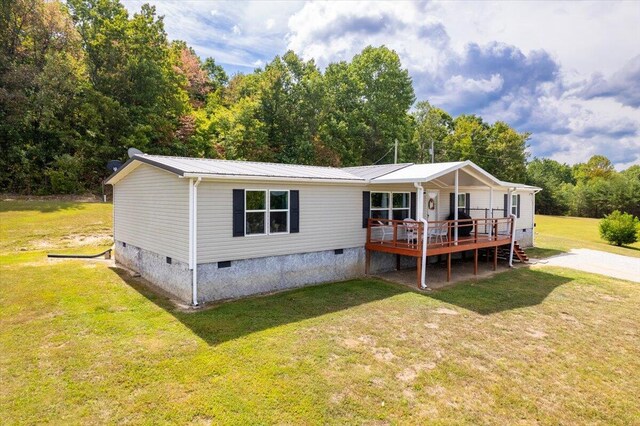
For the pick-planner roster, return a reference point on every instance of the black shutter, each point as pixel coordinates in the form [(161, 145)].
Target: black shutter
[(238, 212), (452, 202), (366, 208), (414, 201), (294, 220), (506, 204), (467, 208), (518, 207)]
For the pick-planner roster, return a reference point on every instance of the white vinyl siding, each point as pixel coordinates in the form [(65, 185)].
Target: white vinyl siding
[(330, 218), (151, 211)]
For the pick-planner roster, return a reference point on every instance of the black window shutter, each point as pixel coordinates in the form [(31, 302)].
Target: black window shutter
[(518, 208), (467, 208), (506, 204), (294, 220), (238, 212), (414, 201), (452, 203), (366, 208)]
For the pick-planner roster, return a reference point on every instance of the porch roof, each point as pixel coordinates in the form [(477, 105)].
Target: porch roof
[(442, 174)]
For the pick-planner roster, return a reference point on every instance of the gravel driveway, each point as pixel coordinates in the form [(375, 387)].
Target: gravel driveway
[(598, 262)]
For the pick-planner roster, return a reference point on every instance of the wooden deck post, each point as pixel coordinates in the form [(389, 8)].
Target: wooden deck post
[(495, 258), (448, 266), (475, 262), (419, 271)]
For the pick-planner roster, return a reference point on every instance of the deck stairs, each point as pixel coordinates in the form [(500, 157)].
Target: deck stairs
[(518, 253)]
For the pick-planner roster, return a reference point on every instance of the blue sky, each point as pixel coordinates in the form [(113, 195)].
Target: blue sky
[(568, 72)]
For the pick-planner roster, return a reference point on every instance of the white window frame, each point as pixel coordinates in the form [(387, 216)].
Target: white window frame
[(267, 212), (287, 210), (514, 204), (462, 206), (390, 209)]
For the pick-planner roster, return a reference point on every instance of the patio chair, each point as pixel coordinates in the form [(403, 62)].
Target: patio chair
[(437, 232), (411, 230), (386, 230)]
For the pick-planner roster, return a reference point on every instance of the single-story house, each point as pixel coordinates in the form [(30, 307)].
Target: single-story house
[(206, 230)]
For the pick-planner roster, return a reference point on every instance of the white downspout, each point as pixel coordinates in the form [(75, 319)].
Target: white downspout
[(425, 223), (193, 234), (513, 238), (455, 209)]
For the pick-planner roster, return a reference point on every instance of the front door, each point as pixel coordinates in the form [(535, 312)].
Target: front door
[(431, 201)]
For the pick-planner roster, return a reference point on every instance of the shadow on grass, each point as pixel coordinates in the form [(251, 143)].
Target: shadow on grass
[(234, 319), (519, 288), (38, 205), (228, 321), (542, 252)]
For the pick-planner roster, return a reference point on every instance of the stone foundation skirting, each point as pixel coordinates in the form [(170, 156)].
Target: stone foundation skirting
[(174, 278)]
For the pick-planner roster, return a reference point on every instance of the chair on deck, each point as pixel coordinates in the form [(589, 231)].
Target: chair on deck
[(437, 232), (411, 230), (386, 230)]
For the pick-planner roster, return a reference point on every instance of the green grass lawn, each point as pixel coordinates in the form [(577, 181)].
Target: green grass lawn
[(556, 234), (84, 343)]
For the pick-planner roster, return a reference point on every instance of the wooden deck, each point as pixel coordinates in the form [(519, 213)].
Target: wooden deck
[(405, 238)]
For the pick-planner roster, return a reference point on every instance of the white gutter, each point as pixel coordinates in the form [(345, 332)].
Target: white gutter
[(336, 181), (513, 239), (425, 240), (193, 237)]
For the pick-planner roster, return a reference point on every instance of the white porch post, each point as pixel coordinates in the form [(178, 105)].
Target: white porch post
[(425, 230), (455, 208), (491, 210)]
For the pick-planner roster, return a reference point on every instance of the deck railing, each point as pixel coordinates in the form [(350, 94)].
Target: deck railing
[(409, 234)]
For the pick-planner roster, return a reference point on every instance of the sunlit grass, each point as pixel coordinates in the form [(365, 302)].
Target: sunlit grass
[(83, 342), (562, 233)]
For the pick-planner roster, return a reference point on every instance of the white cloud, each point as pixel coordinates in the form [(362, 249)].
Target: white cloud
[(270, 23), (236, 30)]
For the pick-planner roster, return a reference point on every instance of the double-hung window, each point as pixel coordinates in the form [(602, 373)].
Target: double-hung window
[(462, 201), (380, 205), (390, 205), (401, 205), (514, 204), (267, 212)]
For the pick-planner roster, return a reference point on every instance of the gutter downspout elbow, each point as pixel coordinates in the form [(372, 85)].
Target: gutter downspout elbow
[(420, 214)]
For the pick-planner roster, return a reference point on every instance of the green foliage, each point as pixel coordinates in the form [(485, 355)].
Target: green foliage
[(65, 175), (620, 228)]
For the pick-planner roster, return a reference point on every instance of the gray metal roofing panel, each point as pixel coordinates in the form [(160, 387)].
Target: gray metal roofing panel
[(371, 172), (205, 166)]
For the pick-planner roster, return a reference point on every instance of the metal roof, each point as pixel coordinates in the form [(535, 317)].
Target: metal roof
[(204, 167), (370, 172), (384, 173), (419, 172)]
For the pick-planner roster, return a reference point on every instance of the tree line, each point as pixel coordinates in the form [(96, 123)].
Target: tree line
[(83, 81)]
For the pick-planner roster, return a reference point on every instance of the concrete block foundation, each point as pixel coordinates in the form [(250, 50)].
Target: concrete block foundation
[(174, 278)]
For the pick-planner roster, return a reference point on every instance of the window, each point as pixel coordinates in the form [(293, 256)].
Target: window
[(462, 201), (390, 205), (514, 204), (278, 212), (380, 205), (266, 212), (401, 205)]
